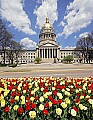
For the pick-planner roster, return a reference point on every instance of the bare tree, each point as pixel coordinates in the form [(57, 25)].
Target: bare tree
[(5, 39), (85, 47), (9, 47), (14, 51)]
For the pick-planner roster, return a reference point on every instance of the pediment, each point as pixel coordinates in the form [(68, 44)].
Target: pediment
[(50, 45)]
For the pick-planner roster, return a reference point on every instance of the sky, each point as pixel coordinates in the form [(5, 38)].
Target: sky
[(71, 19)]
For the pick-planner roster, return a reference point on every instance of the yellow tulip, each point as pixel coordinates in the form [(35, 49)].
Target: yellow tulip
[(17, 98), (32, 114), (58, 111), (15, 107), (64, 105), (3, 103)]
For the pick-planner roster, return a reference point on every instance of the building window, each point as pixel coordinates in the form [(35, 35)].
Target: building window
[(44, 35), (52, 36)]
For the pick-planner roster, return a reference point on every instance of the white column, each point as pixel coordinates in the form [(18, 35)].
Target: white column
[(47, 53), (52, 52), (44, 52), (39, 52), (57, 53)]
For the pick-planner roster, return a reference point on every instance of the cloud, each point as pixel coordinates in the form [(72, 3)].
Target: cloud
[(62, 24), (58, 35), (13, 12), (79, 15), (85, 34), (75, 37), (28, 43), (47, 6)]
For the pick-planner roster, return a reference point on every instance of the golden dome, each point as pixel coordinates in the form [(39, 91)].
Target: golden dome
[(47, 25)]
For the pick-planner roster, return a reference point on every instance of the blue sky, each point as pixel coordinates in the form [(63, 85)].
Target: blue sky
[(71, 19)]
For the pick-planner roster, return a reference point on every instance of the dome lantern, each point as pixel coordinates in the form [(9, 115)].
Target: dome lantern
[(47, 20)]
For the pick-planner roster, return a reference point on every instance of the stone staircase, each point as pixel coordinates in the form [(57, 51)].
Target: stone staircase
[(50, 60)]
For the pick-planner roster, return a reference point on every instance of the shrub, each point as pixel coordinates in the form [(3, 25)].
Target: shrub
[(3, 65), (68, 59), (12, 65), (37, 59)]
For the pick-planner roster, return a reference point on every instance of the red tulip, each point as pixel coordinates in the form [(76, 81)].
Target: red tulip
[(45, 112), (77, 100), (55, 92), (28, 107), (46, 105), (20, 110), (55, 102), (6, 109), (75, 109), (33, 105), (60, 101), (36, 98), (50, 98), (12, 100), (28, 103)]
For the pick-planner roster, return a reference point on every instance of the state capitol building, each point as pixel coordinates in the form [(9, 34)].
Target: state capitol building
[(47, 49)]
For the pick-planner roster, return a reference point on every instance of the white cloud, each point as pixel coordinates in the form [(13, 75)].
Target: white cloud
[(13, 12), (28, 43), (58, 35), (47, 6), (62, 24), (85, 34), (79, 15), (75, 37)]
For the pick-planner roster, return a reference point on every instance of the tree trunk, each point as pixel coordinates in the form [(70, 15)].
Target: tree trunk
[(12, 61), (16, 59), (4, 56)]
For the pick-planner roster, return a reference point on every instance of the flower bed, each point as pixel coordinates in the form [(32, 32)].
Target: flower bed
[(46, 98)]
